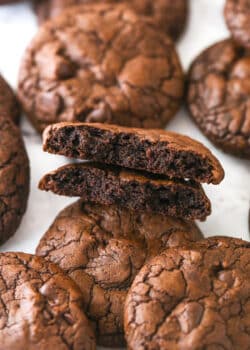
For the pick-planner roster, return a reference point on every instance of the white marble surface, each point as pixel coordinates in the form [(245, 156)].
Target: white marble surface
[(230, 200)]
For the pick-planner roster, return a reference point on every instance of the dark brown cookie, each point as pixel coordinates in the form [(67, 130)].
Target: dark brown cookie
[(133, 190), (102, 249), (40, 307), (192, 299), (102, 65), (9, 106), (14, 178), (155, 151), (237, 14), (170, 16), (218, 96)]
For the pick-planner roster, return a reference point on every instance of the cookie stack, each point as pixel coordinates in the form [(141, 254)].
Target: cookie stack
[(218, 85), (152, 171), (140, 192)]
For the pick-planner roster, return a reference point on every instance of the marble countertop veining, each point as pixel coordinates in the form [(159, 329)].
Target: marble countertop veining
[(230, 200)]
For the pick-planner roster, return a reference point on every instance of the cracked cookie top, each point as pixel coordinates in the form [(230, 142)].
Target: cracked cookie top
[(102, 249), (101, 63), (170, 16), (9, 106), (14, 178), (237, 15), (192, 298), (218, 96), (40, 307)]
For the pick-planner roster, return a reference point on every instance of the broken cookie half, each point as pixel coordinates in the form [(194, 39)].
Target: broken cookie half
[(146, 170)]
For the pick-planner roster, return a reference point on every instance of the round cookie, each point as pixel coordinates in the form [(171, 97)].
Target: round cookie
[(237, 15), (192, 298), (8, 103), (100, 63), (170, 16), (40, 307), (102, 249), (14, 178), (219, 96)]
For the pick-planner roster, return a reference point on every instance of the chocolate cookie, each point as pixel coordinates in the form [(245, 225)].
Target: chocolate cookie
[(218, 96), (9, 106), (103, 64), (192, 299), (155, 151), (109, 247), (40, 307), (14, 178), (133, 190), (169, 16), (237, 14)]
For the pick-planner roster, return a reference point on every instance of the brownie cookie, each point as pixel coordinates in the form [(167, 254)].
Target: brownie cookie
[(237, 14), (192, 299), (40, 307), (14, 178), (133, 190), (103, 64), (218, 96), (169, 16), (9, 106), (109, 247), (155, 151)]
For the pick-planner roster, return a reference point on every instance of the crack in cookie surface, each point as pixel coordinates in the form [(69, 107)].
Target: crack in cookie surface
[(192, 298), (170, 16), (40, 307), (218, 96), (14, 178), (101, 64), (237, 14), (102, 249)]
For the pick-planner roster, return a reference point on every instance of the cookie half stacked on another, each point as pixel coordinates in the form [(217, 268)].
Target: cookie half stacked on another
[(146, 170)]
